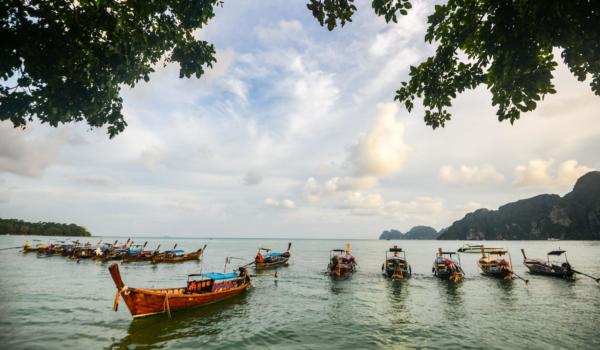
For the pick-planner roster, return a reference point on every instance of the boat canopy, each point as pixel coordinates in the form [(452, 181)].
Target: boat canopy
[(273, 255), (338, 250), (265, 249), (219, 276), (395, 250), (557, 252)]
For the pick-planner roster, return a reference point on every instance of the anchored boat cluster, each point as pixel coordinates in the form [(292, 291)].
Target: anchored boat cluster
[(124, 252), (210, 287)]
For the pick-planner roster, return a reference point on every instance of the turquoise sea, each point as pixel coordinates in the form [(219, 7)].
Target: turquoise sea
[(56, 303)]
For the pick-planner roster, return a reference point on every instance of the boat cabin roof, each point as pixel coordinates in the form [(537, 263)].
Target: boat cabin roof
[(338, 250), (215, 275), (395, 250), (265, 249), (557, 252)]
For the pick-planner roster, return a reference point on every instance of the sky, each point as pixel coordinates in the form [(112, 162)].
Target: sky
[(294, 133)]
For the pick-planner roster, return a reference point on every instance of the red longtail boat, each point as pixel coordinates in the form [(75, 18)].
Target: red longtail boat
[(207, 289)]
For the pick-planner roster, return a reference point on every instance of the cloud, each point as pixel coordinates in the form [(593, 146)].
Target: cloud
[(151, 158), (470, 175), (359, 200), (419, 206), (314, 191), (252, 178), (98, 180), (569, 171), (382, 151), (284, 204), (283, 31), (24, 155), (537, 173)]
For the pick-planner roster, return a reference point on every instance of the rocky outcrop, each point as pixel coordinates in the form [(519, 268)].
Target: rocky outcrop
[(417, 232), (574, 216)]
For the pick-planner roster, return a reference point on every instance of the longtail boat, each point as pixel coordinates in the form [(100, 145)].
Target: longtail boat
[(445, 267), (28, 247), (144, 255), (208, 288), (176, 256), (561, 269), (341, 262), (271, 260), (396, 266), (492, 263)]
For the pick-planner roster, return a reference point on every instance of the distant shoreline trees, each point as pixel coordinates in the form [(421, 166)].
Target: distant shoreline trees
[(20, 227)]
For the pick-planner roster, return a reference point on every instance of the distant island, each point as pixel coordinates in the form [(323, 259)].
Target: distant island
[(20, 227), (575, 216), (417, 232)]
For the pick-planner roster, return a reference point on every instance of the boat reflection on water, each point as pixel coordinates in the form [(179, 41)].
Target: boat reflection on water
[(451, 299), (208, 320)]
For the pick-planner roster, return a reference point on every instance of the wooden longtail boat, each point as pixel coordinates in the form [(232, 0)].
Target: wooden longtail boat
[(492, 263), (176, 256), (209, 288), (550, 268), (28, 248), (445, 267), (341, 262), (271, 260), (144, 255), (396, 266)]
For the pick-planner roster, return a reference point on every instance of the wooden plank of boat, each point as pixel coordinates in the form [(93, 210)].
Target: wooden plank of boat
[(143, 302)]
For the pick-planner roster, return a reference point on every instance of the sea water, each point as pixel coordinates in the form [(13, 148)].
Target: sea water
[(57, 303)]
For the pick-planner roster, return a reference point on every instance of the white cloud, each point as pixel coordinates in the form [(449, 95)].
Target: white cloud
[(359, 200), (470, 175), (284, 204), (382, 151), (283, 31), (418, 206), (538, 173), (569, 171), (535, 173), (314, 191)]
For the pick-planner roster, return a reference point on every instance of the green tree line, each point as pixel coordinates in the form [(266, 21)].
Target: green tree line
[(20, 227)]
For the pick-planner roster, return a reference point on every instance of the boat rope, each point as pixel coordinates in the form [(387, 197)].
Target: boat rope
[(166, 305), (119, 292)]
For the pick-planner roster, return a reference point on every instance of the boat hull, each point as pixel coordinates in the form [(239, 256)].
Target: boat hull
[(341, 270), (539, 268), (177, 259), (268, 266), (143, 302), (500, 273), (397, 273), (148, 302)]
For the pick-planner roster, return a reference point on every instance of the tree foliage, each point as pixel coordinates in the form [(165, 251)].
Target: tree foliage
[(20, 227), (505, 45), (64, 60)]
